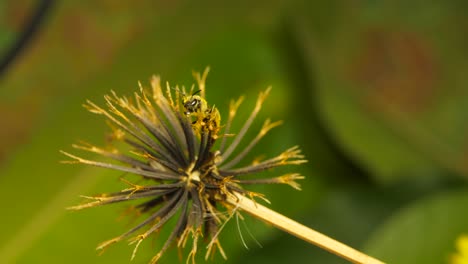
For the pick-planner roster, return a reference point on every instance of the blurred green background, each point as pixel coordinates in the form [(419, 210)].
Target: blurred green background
[(374, 92)]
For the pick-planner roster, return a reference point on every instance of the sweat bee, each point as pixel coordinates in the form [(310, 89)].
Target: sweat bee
[(204, 117)]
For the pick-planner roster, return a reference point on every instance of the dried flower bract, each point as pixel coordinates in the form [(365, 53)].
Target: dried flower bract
[(189, 166)]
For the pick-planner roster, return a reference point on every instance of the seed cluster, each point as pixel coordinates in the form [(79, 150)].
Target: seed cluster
[(189, 174)]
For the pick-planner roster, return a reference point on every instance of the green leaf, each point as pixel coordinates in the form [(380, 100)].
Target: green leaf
[(424, 232), (388, 84)]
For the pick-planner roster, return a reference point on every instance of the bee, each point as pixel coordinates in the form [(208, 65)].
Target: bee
[(204, 117)]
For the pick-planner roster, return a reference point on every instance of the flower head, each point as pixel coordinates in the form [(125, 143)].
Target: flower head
[(172, 141), (461, 257)]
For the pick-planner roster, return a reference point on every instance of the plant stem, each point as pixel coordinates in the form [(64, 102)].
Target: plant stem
[(303, 232)]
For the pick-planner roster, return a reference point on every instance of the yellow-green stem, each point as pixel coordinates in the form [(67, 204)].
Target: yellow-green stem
[(303, 232)]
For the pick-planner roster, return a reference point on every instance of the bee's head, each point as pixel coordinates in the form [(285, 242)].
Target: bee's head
[(192, 103)]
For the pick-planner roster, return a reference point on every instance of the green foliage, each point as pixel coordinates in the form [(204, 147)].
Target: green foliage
[(404, 238), (374, 92)]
